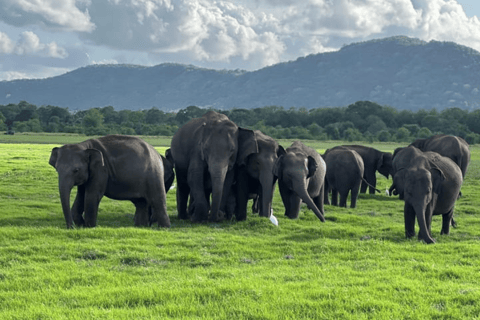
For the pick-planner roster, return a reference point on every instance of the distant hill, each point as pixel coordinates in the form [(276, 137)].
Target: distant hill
[(401, 72)]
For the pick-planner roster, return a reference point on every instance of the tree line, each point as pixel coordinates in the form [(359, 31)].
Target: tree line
[(360, 121)]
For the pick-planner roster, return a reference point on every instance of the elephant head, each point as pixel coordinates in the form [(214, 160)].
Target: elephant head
[(76, 166), (224, 145), (294, 171), (259, 166), (419, 187), (384, 165)]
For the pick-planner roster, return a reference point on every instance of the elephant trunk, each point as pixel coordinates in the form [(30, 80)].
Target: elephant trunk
[(65, 188), (303, 194), (267, 187), (424, 233), (218, 184)]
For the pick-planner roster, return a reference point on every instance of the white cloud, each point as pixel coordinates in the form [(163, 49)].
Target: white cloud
[(6, 45), (64, 14), (30, 45), (232, 33)]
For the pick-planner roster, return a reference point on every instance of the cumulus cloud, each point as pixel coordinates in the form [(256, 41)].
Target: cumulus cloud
[(29, 45), (64, 14), (235, 33)]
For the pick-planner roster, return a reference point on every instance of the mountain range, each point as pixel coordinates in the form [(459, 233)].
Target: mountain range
[(402, 72)]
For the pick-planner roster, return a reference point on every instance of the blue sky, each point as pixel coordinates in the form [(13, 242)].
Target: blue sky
[(43, 38)]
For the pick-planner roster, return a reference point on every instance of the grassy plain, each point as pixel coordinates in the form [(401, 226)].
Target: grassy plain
[(357, 265)]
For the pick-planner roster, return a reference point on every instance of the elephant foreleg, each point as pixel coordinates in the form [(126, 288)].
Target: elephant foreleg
[(285, 193), (92, 200), (409, 216), (79, 206)]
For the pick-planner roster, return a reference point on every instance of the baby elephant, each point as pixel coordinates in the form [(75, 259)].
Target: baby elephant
[(345, 170), (301, 174)]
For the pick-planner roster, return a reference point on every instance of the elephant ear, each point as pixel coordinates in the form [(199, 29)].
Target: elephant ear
[(437, 179), (277, 167), (53, 157), (280, 151), (96, 162), (168, 175), (399, 182), (247, 144), (169, 156), (311, 166)]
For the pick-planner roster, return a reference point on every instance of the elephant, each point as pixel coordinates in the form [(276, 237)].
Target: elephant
[(345, 171), (255, 179), (301, 174), (452, 147), (429, 184), (119, 167), (143, 212), (208, 147), (373, 160)]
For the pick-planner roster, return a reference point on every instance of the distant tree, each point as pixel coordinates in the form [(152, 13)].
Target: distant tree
[(384, 136), (424, 133), (403, 135), (154, 116), (93, 122), (352, 134)]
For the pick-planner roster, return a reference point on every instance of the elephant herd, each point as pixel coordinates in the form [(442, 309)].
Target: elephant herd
[(219, 166)]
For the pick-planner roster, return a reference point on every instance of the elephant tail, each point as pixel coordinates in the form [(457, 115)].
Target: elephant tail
[(363, 179)]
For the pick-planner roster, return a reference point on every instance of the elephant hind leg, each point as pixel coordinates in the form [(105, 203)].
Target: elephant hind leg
[(447, 220), (343, 198), (141, 217), (334, 197)]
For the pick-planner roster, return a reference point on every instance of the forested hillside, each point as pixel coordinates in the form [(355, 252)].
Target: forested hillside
[(363, 120), (402, 72)]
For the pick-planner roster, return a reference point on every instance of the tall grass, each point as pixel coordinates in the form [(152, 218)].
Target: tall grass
[(356, 265)]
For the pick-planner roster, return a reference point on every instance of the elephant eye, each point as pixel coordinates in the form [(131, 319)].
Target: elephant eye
[(75, 170)]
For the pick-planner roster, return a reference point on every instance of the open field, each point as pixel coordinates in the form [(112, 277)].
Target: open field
[(356, 265)]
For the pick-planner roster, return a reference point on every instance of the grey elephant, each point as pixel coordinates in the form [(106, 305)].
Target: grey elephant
[(345, 170), (301, 175), (255, 179), (143, 212), (453, 147), (429, 184), (116, 166), (373, 160), (208, 147)]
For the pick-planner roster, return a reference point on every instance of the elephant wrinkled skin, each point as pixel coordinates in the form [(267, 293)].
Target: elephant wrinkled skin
[(119, 167), (373, 160), (301, 175), (208, 148), (429, 184), (256, 179), (345, 171)]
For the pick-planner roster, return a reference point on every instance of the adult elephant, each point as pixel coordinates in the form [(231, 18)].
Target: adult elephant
[(429, 184), (452, 147), (208, 147), (345, 170), (256, 179), (116, 166), (373, 160), (301, 175)]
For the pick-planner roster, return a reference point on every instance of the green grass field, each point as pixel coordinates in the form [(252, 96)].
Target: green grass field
[(356, 265)]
